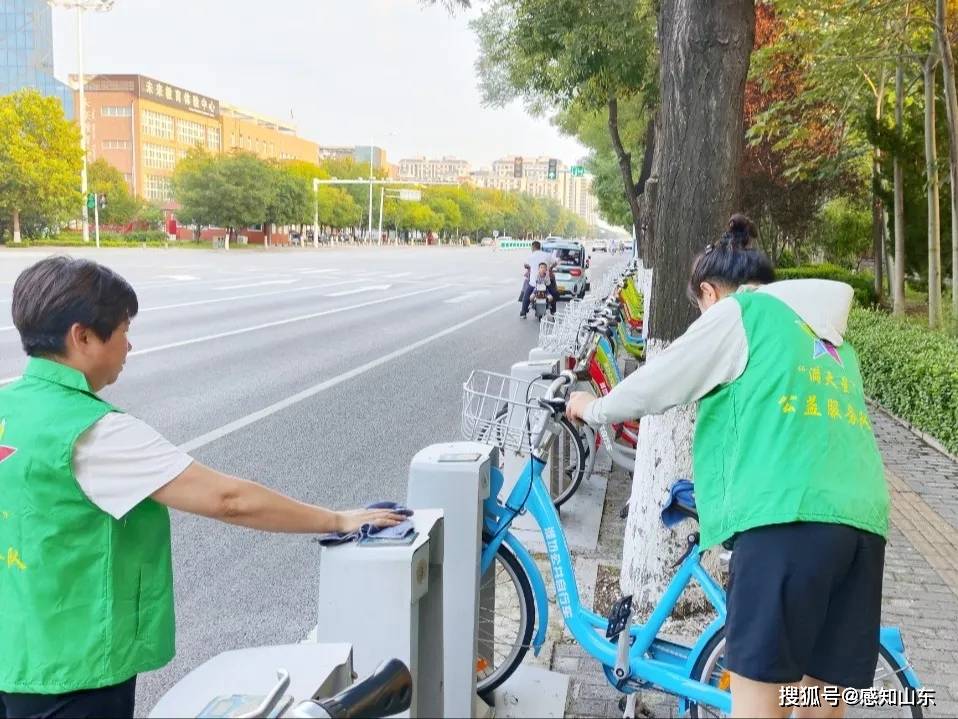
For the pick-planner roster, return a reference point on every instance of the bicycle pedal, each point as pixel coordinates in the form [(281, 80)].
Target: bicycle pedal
[(619, 617)]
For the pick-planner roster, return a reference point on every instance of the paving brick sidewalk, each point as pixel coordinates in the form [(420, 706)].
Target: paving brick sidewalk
[(920, 589)]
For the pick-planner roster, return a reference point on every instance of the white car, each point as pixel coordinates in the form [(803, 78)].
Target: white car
[(570, 274), (599, 246)]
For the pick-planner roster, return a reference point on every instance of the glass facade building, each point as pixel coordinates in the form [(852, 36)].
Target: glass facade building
[(26, 51)]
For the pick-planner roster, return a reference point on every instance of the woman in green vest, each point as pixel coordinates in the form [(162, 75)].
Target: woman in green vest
[(86, 585), (785, 467)]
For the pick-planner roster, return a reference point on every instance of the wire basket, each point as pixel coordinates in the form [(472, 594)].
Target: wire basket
[(502, 410)]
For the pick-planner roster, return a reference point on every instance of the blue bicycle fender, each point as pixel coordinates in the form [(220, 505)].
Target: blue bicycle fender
[(710, 631), (891, 640), (538, 590)]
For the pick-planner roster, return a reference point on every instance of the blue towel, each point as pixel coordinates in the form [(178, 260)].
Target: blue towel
[(368, 531), (681, 494)]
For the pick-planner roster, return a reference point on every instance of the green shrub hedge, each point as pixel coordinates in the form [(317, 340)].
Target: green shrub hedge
[(863, 284), (910, 370)]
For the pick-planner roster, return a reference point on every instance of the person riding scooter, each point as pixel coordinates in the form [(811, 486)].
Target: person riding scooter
[(538, 257)]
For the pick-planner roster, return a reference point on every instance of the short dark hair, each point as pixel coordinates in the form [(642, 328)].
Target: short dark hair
[(53, 294), (536, 245), (731, 261)]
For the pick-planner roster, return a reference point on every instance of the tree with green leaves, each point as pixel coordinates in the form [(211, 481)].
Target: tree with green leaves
[(121, 206), (570, 56), (40, 163), (290, 201), (231, 191)]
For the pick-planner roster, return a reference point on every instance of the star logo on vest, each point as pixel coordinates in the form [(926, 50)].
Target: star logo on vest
[(5, 451), (821, 346)]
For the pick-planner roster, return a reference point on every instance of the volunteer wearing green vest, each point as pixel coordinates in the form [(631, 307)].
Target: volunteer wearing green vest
[(785, 467), (86, 585)]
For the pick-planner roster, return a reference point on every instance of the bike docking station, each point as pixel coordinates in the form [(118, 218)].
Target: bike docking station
[(387, 602), (285, 673)]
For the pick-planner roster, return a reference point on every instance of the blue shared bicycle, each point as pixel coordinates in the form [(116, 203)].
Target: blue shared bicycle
[(514, 605)]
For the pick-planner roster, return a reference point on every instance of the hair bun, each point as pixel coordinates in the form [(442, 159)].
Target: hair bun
[(741, 230)]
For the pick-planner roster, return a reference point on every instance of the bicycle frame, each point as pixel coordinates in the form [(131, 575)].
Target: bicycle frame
[(652, 661)]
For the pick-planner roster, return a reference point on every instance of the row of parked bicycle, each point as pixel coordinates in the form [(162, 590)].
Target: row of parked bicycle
[(525, 418)]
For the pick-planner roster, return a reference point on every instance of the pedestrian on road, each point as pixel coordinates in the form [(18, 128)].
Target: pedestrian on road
[(87, 590), (785, 465)]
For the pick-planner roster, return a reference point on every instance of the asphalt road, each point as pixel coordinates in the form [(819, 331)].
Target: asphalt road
[(319, 373)]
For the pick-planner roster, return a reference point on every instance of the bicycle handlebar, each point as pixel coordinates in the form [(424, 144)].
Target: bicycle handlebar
[(385, 692)]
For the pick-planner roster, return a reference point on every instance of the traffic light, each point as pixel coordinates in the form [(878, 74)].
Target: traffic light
[(517, 167), (553, 169), (101, 201)]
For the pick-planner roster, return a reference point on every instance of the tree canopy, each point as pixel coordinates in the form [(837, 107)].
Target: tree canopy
[(40, 163)]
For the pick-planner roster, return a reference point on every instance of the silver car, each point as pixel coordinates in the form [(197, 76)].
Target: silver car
[(571, 275)]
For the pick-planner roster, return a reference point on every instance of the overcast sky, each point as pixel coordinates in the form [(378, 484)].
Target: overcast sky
[(352, 72)]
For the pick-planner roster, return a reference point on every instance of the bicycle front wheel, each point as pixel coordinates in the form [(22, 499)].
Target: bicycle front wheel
[(710, 669), (570, 455), (506, 617)]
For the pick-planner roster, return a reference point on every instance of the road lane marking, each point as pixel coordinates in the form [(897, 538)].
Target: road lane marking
[(180, 278), (244, 297), (313, 272), (257, 284), (231, 298), (265, 325), (356, 291), (242, 422), (398, 274), (466, 296)]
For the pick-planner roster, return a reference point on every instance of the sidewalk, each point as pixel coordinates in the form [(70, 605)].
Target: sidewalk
[(920, 590)]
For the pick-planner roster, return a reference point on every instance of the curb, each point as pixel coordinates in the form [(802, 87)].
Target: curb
[(924, 437)]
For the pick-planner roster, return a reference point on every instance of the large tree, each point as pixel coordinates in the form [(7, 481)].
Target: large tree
[(231, 191), (40, 162), (705, 47), (121, 206), (566, 54)]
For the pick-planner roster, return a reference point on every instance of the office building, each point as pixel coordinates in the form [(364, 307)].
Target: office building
[(26, 51)]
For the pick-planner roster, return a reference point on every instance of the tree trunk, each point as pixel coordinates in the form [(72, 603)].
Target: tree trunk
[(705, 48), (625, 165), (951, 107), (878, 243), (17, 239), (898, 286), (934, 221)]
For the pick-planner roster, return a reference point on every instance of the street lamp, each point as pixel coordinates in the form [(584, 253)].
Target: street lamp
[(80, 6)]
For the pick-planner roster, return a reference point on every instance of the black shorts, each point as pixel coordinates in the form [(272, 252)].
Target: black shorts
[(805, 599), (104, 703)]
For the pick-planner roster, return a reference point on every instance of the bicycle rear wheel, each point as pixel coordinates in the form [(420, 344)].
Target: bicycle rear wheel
[(710, 669), (506, 617)]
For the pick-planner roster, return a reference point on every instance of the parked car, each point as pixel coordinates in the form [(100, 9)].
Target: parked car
[(599, 246), (571, 275), (629, 245)]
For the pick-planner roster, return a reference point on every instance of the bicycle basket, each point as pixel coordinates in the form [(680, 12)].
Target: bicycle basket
[(502, 410)]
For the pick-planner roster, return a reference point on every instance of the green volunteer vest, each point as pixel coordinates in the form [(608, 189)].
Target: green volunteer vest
[(86, 600), (790, 439)]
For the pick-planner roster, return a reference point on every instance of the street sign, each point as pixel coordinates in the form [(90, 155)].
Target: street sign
[(90, 201), (410, 195), (577, 170)]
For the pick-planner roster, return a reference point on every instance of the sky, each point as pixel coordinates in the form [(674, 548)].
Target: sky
[(352, 72)]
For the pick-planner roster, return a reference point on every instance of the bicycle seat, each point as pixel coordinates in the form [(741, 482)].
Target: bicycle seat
[(681, 504)]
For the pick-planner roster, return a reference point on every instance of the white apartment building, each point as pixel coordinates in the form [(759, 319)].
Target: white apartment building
[(446, 169), (573, 193)]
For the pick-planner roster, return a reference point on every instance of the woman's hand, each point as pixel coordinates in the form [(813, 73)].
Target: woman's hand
[(576, 405), (351, 520)]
